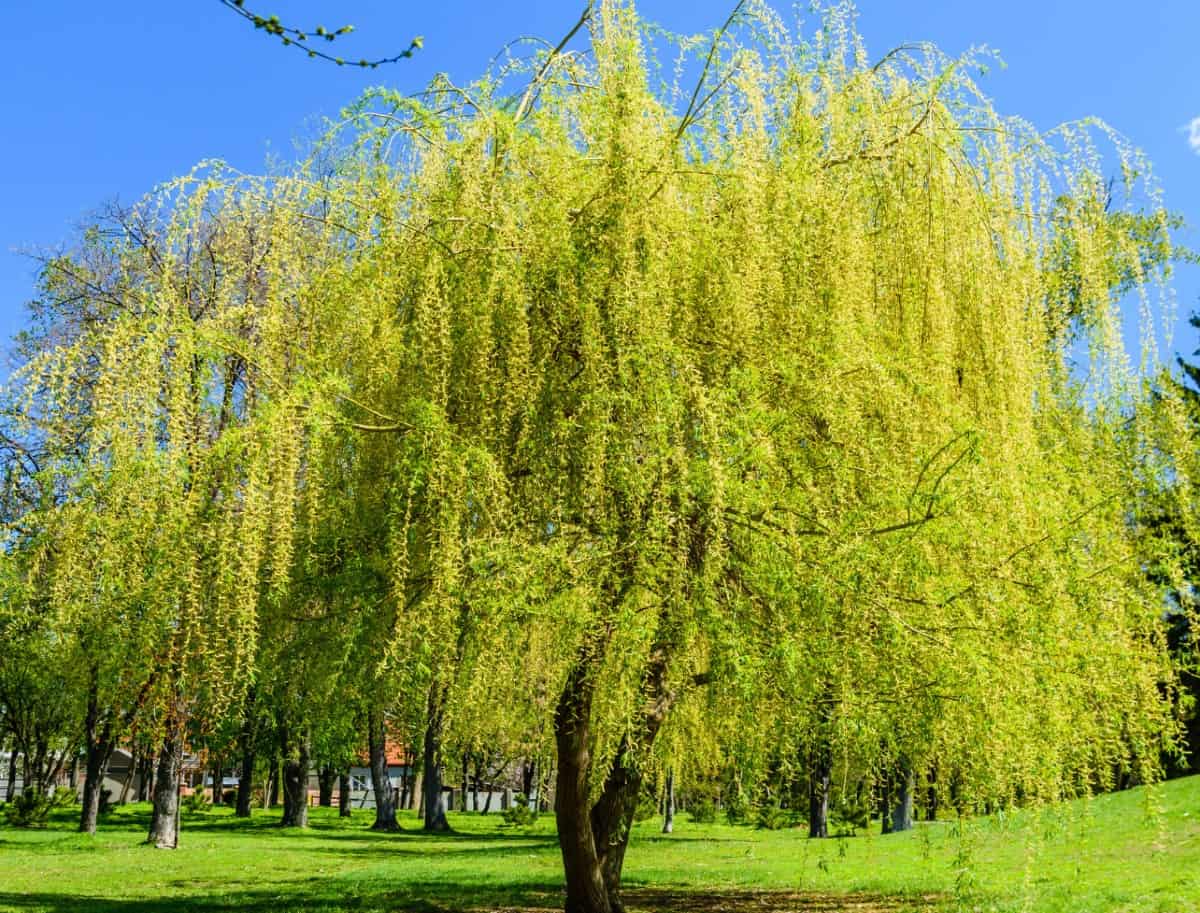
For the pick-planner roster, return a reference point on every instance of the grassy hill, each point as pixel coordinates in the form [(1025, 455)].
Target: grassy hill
[(1135, 852)]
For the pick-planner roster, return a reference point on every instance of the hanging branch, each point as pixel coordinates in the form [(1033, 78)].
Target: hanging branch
[(303, 39)]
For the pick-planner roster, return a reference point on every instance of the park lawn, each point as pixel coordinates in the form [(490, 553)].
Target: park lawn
[(1136, 852)]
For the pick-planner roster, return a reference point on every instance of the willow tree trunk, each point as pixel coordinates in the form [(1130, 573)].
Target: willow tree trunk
[(99, 750), (669, 804), (325, 786), (902, 812), (246, 739), (434, 800), (295, 783), (10, 790), (344, 795), (586, 892), (820, 773), (164, 821), (931, 795), (385, 807), (218, 782), (245, 790)]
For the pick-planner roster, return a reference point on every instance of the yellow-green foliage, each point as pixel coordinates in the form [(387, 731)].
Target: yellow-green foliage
[(772, 380)]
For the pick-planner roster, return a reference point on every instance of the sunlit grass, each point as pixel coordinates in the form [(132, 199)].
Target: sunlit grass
[(1136, 852)]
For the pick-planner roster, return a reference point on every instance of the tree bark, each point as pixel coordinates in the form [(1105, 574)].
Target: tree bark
[(344, 794), (902, 812), (246, 738), (385, 808), (325, 785), (164, 822), (295, 784), (434, 800), (99, 750), (820, 773), (217, 782), (669, 804), (931, 795), (10, 789), (586, 892)]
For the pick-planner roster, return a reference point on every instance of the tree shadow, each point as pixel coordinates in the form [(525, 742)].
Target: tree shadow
[(439, 897)]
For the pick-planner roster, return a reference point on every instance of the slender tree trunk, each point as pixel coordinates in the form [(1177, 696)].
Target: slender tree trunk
[(931, 795), (902, 813), (669, 804), (129, 775), (820, 772), (164, 822), (344, 794), (415, 795), (246, 738), (466, 783), (10, 790), (385, 809), (217, 782), (528, 779), (435, 802)]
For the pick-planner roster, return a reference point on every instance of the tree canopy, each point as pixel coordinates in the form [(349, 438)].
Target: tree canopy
[(782, 416)]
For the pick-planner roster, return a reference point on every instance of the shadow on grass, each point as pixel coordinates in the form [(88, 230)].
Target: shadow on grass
[(439, 897)]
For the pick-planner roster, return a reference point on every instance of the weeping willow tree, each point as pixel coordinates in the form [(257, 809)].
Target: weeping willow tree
[(770, 387), (781, 414)]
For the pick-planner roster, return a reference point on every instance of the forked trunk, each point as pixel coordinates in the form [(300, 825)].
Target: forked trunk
[(164, 821), (586, 892), (385, 807), (99, 750)]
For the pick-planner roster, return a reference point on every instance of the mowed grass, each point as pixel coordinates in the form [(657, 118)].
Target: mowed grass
[(1136, 852)]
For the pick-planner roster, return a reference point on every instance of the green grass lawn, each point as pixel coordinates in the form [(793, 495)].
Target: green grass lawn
[(1136, 852)]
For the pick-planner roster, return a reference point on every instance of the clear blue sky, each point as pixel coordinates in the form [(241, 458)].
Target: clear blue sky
[(102, 100)]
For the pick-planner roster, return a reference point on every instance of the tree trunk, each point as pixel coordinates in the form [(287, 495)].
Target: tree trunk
[(246, 775), (466, 782), (10, 790), (164, 822), (99, 750), (245, 791), (325, 784), (586, 892), (434, 801), (669, 804), (344, 794), (820, 772), (931, 806), (902, 813), (98, 754), (528, 778), (385, 809), (295, 784), (129, 775), (217, 782)]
